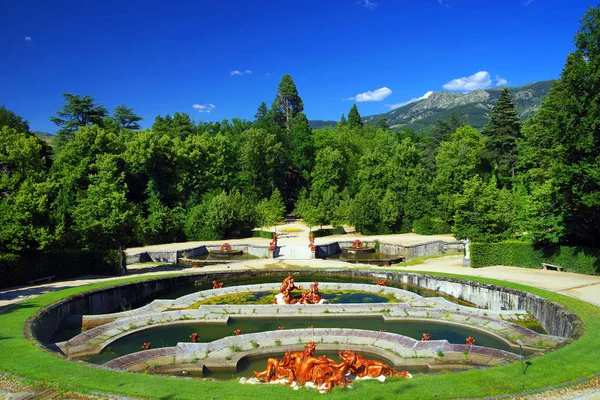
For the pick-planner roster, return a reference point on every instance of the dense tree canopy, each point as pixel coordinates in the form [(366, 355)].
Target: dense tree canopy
[(109, 184)]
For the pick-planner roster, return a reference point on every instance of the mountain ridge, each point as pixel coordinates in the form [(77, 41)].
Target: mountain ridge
[(474, 106)]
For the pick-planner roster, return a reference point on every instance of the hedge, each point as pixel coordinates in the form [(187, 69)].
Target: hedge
[(582, 260), (328, 232), (18, 269)]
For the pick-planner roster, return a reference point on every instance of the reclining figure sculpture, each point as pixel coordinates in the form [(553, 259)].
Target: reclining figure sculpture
[(303, 367)]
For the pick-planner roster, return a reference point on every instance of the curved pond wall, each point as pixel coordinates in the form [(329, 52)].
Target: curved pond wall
[(553, 317)]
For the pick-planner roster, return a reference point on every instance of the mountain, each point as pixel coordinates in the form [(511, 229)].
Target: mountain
[(475, 106), (45, 136), (319, 123)]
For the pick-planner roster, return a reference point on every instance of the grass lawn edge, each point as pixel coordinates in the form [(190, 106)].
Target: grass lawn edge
[(569, 365)]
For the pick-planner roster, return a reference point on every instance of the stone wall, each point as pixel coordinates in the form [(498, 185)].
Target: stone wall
[(173, 256), (553, 317), (408, 252)]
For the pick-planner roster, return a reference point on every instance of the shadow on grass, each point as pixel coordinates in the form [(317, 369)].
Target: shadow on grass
[(527, 365), (16, 307)]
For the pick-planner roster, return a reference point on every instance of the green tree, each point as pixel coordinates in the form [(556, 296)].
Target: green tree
[(260, 162), (354, 120), (483, 212), (271, 211), (382, 123), (561, 149), (21, 157), (502, 132), (343, 121), (262, 112), (287, 103), (457, 161), (78, 111), (103, 217), (126, 118), (12, 120)]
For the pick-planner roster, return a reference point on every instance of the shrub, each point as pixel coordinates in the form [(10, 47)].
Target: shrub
[(430, 226), (262, 234), (329, 232), (521, 254), (18, 269)]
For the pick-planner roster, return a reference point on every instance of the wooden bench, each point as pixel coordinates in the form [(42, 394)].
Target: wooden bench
[(552, 267), (44, 279)]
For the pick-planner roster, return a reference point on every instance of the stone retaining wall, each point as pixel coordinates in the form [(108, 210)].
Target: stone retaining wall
[(171, 256), (220, 354), (408, 252), (553, 317)]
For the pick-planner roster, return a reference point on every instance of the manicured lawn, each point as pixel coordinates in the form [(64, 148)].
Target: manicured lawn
[(578, 360)]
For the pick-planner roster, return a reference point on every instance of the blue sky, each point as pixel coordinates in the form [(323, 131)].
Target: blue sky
[(160, 56)]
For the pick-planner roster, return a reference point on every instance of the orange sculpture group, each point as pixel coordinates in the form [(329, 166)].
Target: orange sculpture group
[(310, 296), (225, 248), (217, 285), (357, 244), (325, 373)]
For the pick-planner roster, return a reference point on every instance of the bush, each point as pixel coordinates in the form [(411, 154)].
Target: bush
[(263, 234), (521, 254), (18, 269), (329, 232), (430, 226)]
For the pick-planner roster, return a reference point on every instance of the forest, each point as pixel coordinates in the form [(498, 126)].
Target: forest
[(104, 183)]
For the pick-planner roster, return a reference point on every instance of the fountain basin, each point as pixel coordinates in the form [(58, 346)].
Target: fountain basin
[(225, 254)]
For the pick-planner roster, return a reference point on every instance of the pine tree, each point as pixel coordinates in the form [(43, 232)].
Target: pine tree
[(503, 131), (382, 123), (343, 121), (287, 103), (126, 118), (354, 120), (262, 111), (77, 112)]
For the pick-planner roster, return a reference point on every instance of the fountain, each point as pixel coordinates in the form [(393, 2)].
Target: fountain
[(358, 248), (237, 329), (323, 373), (225, 251), (311, 296)]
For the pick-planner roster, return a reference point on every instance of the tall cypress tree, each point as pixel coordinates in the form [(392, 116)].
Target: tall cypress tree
[(503, 131), (354, 120)]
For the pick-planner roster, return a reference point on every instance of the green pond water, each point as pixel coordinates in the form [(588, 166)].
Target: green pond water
[(167, 336), (188, 289), (259, 363), (266, 297)]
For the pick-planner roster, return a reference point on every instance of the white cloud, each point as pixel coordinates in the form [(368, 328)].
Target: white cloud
[(368, 3), (238, 72), (28, 38), (528, 2), (207, 108), (394, 106), (500, 81), (375, 95), (479, 80), (443, 3)]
